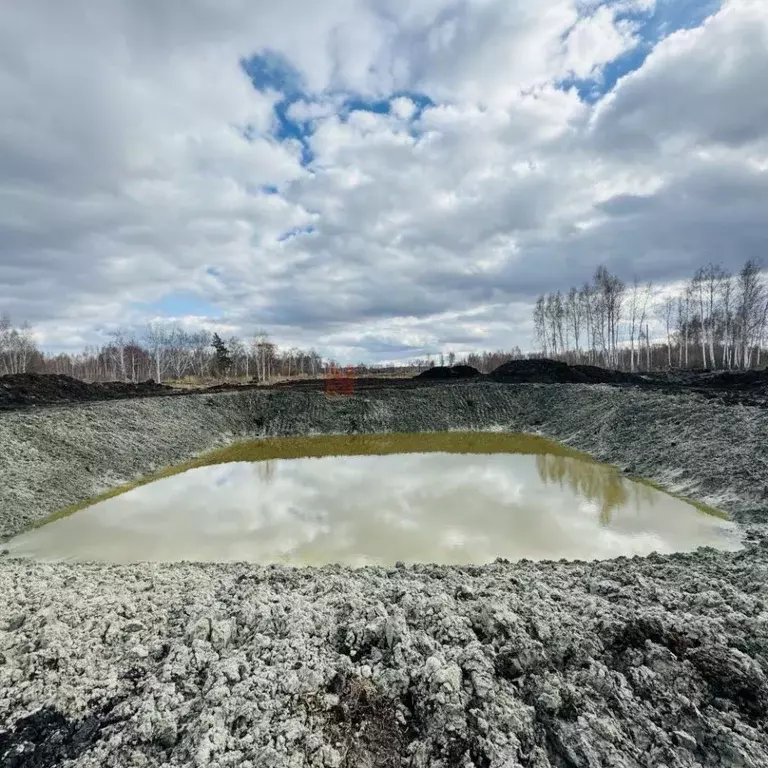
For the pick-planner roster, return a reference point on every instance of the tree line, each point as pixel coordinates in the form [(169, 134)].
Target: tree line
[(716, 320), (162, 352), (167, 352)]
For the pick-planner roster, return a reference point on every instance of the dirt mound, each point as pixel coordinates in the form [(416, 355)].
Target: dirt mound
[(538, 372), (22, 389), (443, 372), (734, 380), (597, 375), (545, 371)]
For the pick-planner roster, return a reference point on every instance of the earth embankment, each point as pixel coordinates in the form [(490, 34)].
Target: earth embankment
[(631, 662), (31, 390)]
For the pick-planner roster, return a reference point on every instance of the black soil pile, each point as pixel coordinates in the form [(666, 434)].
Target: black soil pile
[(444, 372), (554, 372), (24, 389), (743, 381), (351, 385), (727, 387)]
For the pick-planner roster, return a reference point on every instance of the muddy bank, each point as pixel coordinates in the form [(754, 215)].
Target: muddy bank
[(657, 661)]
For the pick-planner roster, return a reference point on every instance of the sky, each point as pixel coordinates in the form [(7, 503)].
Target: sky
[(377, 179)]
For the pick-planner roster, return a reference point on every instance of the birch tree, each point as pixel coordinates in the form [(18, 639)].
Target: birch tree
[(750, 305), (611, 291), (573, 312), (727, 319), (540, 324), (156, 336), (668, 313), (587, 311)]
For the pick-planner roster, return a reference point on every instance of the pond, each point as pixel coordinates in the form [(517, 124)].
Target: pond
[(373, 500)]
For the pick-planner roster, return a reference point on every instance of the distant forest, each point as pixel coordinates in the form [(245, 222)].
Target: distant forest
[(716, 320), (166, 352)]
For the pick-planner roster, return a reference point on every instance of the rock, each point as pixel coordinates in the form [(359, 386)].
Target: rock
[(199, 629), (221, 634), (685, 740), (15, 622), (465, 592)]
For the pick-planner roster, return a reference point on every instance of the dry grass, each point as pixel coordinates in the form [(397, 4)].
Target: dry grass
[(365, 726)]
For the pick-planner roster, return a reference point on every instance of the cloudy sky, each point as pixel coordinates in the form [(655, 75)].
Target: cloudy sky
[(377, 178)]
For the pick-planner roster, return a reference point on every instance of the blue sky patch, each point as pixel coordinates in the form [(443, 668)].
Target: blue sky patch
[(356, 102), (296, 232), (271, 71), (669, 16)]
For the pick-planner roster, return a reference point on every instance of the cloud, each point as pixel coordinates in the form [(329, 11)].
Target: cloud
[(374, 179), (698, 87)]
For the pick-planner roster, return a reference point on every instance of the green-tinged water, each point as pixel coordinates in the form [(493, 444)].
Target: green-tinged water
[(376, 499)]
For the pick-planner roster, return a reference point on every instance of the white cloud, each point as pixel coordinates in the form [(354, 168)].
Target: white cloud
[(124, 173), (403, 107), (698, 87), (594, 41)]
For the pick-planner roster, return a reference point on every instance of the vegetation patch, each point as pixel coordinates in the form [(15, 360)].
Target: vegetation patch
[(366, 724)]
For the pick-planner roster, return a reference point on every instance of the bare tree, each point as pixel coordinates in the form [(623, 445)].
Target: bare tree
[(552, 316), (5, 341), (697, 293), (559, 310), (683, 325), (611, 290), (573, 312), (178, 347), (17, 346), (264, 355), (237, 352), (119, 340), (714, 277), (645, 300), (200, 346), (586, 301), (668, 311), (750, 290), (634, 310), (540, 324), (156, 336), (727, 320)]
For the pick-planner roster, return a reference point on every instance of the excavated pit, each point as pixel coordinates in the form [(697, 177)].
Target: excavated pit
[(642, 661)]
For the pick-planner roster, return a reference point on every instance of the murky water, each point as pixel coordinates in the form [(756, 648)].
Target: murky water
[(435, 506)]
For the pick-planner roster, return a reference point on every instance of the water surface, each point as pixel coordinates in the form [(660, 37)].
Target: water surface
[(433, 506)]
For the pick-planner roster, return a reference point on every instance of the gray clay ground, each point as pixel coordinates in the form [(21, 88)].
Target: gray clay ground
[(657, 661)]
